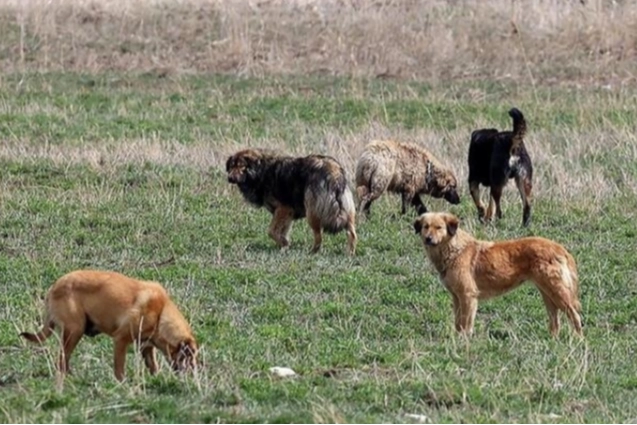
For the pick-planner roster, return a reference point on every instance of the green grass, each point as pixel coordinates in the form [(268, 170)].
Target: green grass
[(371, 336)]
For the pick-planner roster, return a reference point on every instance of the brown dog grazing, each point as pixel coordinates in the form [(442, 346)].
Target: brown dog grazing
[(472, 270), (88, 302), (404, 168), (495, 157), (291, 188)]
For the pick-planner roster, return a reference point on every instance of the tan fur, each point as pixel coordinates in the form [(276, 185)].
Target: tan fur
[(88, 302), (404, 168), (472, 270)]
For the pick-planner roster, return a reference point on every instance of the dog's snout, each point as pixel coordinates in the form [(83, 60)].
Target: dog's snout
[(429, 240), (453, 198)]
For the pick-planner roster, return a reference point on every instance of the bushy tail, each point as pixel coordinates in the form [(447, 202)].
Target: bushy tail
[(331, 201), (519, 127)]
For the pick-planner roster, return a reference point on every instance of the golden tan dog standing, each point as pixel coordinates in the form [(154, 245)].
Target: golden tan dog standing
[(404, 168), (472, 270), (88, 302)]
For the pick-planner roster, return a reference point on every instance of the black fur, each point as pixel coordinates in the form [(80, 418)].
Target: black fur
[(274, 180), (90, 329), (490, 152), (314, 186)]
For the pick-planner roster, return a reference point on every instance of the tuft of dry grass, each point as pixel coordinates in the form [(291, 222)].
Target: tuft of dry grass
[(544, 41)]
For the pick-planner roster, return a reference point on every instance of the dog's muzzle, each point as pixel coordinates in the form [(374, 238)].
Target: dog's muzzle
[(429, 241), (235, 178), (452, 198)]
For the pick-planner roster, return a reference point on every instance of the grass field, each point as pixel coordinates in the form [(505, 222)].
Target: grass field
[(126, 173)]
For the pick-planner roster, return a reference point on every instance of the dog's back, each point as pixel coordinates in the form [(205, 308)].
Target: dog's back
[(480, 153), (101, 301)]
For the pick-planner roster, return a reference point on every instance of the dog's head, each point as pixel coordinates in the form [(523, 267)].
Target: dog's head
[(436, 228), (443, 184), (243, 165), (183, 357)]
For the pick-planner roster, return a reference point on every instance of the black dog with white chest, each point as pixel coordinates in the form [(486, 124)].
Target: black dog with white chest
[(495, 157)]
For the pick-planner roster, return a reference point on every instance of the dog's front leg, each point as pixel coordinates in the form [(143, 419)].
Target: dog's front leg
[(280, 226), (407, 199), (456, 312), (467, 308), (120, 346), (148, 352), (417, 203)]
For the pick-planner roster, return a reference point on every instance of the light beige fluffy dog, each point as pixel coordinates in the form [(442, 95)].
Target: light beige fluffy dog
[(404, 168), (88, 302), (472, 270)]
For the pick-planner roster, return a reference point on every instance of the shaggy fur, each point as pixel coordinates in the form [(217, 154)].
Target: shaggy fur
[(473, 270), (291, 188), (403, 168), (88, 302), (494, 158)]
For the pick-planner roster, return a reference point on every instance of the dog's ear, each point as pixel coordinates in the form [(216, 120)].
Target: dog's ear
[(186, 348), (452, 224), (417, 226)]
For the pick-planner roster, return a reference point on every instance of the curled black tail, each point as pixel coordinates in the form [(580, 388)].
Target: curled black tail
[(519, 123), (519, 129)]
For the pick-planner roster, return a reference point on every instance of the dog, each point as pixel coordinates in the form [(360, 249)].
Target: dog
[(404, 168), (290, 188), (473, 270), (495, 157), (90, 302)]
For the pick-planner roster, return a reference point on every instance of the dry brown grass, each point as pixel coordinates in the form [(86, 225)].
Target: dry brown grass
[(544, 41), (561, 172)]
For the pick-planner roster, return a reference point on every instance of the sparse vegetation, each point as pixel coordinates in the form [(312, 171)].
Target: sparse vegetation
[(113, 158)]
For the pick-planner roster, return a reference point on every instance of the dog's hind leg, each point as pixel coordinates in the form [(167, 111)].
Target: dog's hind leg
[(366, 196), (351, 236), (562, 298), (524, 187), (474, 188), (364, 200), (315, 224), (494, 202), (70, 337), (552, 311), (574, 317), (280, 226)]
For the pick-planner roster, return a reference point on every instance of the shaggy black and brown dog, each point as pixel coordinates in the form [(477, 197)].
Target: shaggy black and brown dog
[(291, 188), (494, 158)]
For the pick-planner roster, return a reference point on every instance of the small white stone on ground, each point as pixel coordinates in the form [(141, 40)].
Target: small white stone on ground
[(282, 372), (418, 418)]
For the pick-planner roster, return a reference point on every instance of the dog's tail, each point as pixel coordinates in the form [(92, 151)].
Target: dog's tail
[(519, 128), (47, 329), (568, 270), (329, 199), (40, 337)]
